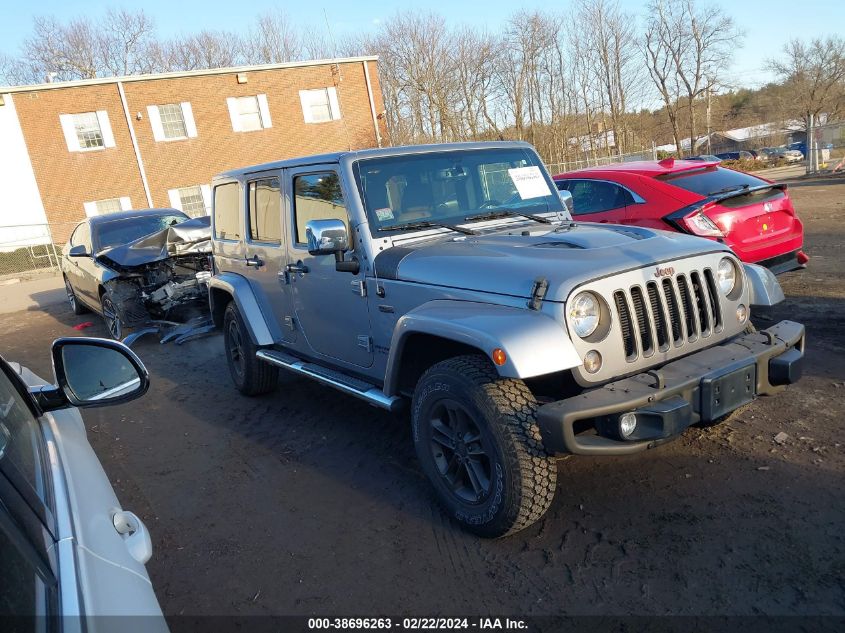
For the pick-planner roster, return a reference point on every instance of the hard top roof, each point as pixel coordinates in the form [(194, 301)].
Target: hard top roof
[(361, 154)]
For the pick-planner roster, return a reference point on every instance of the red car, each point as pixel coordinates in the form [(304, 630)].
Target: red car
[(753, 216)]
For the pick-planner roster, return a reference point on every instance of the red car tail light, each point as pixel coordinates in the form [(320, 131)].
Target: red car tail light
[(698, 223)]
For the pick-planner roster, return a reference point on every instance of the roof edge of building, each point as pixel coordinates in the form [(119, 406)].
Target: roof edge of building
[(184, 73)]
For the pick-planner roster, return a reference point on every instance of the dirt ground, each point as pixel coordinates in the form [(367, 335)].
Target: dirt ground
[(310, 502)]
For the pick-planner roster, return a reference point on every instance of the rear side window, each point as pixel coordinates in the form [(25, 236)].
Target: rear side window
[(226, 221), (712, 180), (265, 211), (317, 197), (595, 196)]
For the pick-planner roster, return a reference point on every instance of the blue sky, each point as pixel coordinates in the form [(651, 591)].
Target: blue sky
[(766, 23)]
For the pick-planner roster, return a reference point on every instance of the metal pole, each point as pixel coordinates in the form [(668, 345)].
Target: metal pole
[(808, 145)]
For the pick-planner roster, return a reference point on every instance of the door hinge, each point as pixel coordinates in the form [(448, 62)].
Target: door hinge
[(366, 342), (359, 287), (289, 323)]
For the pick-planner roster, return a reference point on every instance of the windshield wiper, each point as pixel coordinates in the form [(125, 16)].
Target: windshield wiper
[(413, 226), (492, 215), (729, 189)]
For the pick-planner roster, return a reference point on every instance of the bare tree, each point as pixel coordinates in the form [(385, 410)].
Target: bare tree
[(124, 42), (814, 73), (272, 39), (206, 49), (612, 48), (687, 46)]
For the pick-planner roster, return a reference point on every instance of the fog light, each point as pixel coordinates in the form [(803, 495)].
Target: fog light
[(592, 361), (741, 313), (627, 424)]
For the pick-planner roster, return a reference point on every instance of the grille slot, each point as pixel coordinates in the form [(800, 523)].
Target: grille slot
[(674, 312), (701, 304), (713, 293), (658, 316), (686, 304), (625, 324), (671, 311), (643, 325)]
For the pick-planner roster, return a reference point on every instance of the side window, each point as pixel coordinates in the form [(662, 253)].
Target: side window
[(265, 211), (595, 196), (227, 224), (317, 197), (20, 437), (28, 589)]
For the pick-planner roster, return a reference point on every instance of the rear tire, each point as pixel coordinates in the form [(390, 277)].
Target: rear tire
[(252, 376), (478, 442), (75, 306)]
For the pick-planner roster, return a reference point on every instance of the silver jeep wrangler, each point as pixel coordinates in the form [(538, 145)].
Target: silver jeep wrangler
[(453, 277)]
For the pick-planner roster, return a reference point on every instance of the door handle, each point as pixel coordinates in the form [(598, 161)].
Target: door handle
[(298, 267), (254, 261)]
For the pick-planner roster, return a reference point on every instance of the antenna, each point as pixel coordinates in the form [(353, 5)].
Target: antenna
[(337, 76)]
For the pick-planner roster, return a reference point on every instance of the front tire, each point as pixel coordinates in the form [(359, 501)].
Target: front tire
[(114, 324), (252, 377), (477, 440)]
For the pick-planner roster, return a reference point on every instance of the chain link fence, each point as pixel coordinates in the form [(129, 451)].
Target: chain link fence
[(31, 249), (599, 161)]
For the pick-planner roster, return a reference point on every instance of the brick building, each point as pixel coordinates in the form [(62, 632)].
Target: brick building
[(81, 148)]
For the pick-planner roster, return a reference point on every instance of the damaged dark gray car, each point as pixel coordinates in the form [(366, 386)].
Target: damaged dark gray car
[(140, 270)]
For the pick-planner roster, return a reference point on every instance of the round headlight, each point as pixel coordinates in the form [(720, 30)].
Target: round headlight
[(584, 314), (726, 275)]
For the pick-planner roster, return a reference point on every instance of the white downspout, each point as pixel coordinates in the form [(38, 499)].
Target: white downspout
[(135, 145), (372, 102)]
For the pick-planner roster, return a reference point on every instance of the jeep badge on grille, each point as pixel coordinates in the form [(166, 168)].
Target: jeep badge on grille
[(664, 272)]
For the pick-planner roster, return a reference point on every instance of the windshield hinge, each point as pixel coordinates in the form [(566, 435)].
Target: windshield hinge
[(538, 293)]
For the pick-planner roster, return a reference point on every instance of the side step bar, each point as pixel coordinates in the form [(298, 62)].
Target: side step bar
[(352, 386)]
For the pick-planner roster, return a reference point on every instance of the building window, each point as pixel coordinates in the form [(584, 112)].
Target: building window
[(227, 224), (249, 113), (87, 131), (193, 201), (172, 121), (265, 211), (319, 105), (108, 205)]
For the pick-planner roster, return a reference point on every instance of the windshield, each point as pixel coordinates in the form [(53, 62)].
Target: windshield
[(449, 187), (125, 230)]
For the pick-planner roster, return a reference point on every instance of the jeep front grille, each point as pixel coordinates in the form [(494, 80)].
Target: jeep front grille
[(676, 311)]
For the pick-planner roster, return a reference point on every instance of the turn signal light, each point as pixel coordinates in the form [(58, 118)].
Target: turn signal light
[(499, 356)]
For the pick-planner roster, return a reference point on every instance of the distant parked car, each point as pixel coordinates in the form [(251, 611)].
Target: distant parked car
[(135, 266), (710, 158), (753, 216), (783, 153), (741, 155), (69, 554)]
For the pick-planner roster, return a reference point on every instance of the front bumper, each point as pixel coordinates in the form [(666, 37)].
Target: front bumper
[(700, 387)]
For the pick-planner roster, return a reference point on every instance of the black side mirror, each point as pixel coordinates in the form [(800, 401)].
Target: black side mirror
[(77, 251), (92, 372)]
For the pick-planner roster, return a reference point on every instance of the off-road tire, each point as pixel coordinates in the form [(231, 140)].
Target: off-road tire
[(75, 305), (252, 377), (523, 475)]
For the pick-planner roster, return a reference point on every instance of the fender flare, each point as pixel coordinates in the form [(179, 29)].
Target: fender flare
[(764, 288), (534, 343), (241, 292)]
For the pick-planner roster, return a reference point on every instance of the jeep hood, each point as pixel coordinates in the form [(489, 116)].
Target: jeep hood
[(507, 261)]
